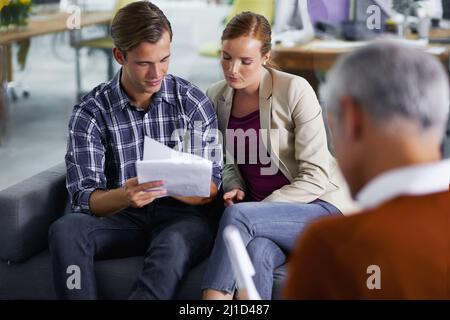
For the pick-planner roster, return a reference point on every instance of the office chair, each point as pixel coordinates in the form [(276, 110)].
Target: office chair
[(103, 44), (263, 7)]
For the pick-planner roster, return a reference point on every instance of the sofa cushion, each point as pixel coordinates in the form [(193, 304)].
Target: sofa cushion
[(27, 280), (32, 279), (26, 211)]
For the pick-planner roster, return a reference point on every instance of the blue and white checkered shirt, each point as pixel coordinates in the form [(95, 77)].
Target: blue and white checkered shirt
[(106, 134)]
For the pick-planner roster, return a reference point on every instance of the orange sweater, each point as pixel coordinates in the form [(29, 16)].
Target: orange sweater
[(408, 238)]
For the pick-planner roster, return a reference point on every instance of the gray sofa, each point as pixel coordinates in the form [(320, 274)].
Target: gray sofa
[(27, 209)]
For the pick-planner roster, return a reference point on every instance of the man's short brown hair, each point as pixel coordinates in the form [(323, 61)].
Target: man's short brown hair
[(138, 22)]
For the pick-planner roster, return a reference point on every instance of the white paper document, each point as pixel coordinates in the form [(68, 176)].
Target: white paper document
[(336, 44), (184, 174)]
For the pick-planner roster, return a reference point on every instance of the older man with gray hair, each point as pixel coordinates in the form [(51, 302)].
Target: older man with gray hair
[(388, 106)]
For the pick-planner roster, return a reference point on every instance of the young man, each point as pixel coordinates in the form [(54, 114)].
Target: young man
[(389, 105), (113, 215)]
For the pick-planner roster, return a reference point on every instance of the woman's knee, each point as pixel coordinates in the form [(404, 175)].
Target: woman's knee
[(234, 215), (263, 251)]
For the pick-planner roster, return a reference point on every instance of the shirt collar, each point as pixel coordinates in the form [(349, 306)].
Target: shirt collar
[(411, 180), (122, 100)]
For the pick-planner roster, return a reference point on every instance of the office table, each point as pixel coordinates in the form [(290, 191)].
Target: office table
[(41, 25), (312, 56), (318, 55)]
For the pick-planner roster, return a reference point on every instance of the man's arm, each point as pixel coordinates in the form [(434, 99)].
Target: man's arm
[(105, 203), (84, 157), (197, 201)]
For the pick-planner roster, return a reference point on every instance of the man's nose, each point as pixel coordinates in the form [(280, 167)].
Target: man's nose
[(153, 71)]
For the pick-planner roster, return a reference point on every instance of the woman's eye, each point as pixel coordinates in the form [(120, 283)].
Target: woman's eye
[(247, 62), (226, 58)]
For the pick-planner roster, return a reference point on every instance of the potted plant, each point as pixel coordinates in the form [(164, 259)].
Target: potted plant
[(14, 13)]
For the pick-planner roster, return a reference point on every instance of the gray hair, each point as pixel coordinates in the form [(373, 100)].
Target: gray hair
[(391, 81)]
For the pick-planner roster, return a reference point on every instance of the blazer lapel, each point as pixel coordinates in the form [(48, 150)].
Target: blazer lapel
[(224, 109), (265, 106), (270, 137)]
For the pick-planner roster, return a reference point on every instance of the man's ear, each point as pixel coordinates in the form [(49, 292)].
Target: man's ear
[(352, 118), (119, 56)]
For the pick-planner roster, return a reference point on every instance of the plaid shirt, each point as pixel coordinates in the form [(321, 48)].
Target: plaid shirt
[(106, 134)]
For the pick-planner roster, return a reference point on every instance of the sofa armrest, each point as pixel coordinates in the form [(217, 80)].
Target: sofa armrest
[(27, 209)]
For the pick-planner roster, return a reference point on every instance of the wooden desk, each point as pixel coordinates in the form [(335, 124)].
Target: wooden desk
[(42, 25), (307, 59), (37, 26), (53, 22)]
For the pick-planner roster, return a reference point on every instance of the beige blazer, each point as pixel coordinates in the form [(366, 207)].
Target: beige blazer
[(296, 140)]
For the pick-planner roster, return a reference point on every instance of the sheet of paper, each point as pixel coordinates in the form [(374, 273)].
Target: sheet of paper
[(336, 44), (418, 43), (184, 174), (339, 44), (436, 50), (154, 150)]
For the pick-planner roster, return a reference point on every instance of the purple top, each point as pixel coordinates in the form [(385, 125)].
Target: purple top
[(259, 186)]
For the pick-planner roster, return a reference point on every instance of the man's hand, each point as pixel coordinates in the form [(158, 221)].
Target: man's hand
[(137, 195), (233, 196), (105, 203)]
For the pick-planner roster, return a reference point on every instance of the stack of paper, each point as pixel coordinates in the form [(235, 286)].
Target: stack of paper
[(184, 174)]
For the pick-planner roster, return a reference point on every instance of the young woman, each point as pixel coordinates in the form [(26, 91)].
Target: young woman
[(267, 114)]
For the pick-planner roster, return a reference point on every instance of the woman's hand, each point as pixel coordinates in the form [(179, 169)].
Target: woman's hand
[(233, 196)]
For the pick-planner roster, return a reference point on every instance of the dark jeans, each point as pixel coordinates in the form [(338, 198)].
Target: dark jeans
[(172, 236)]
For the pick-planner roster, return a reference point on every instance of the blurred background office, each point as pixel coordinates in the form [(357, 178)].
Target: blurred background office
[(45, 66)]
